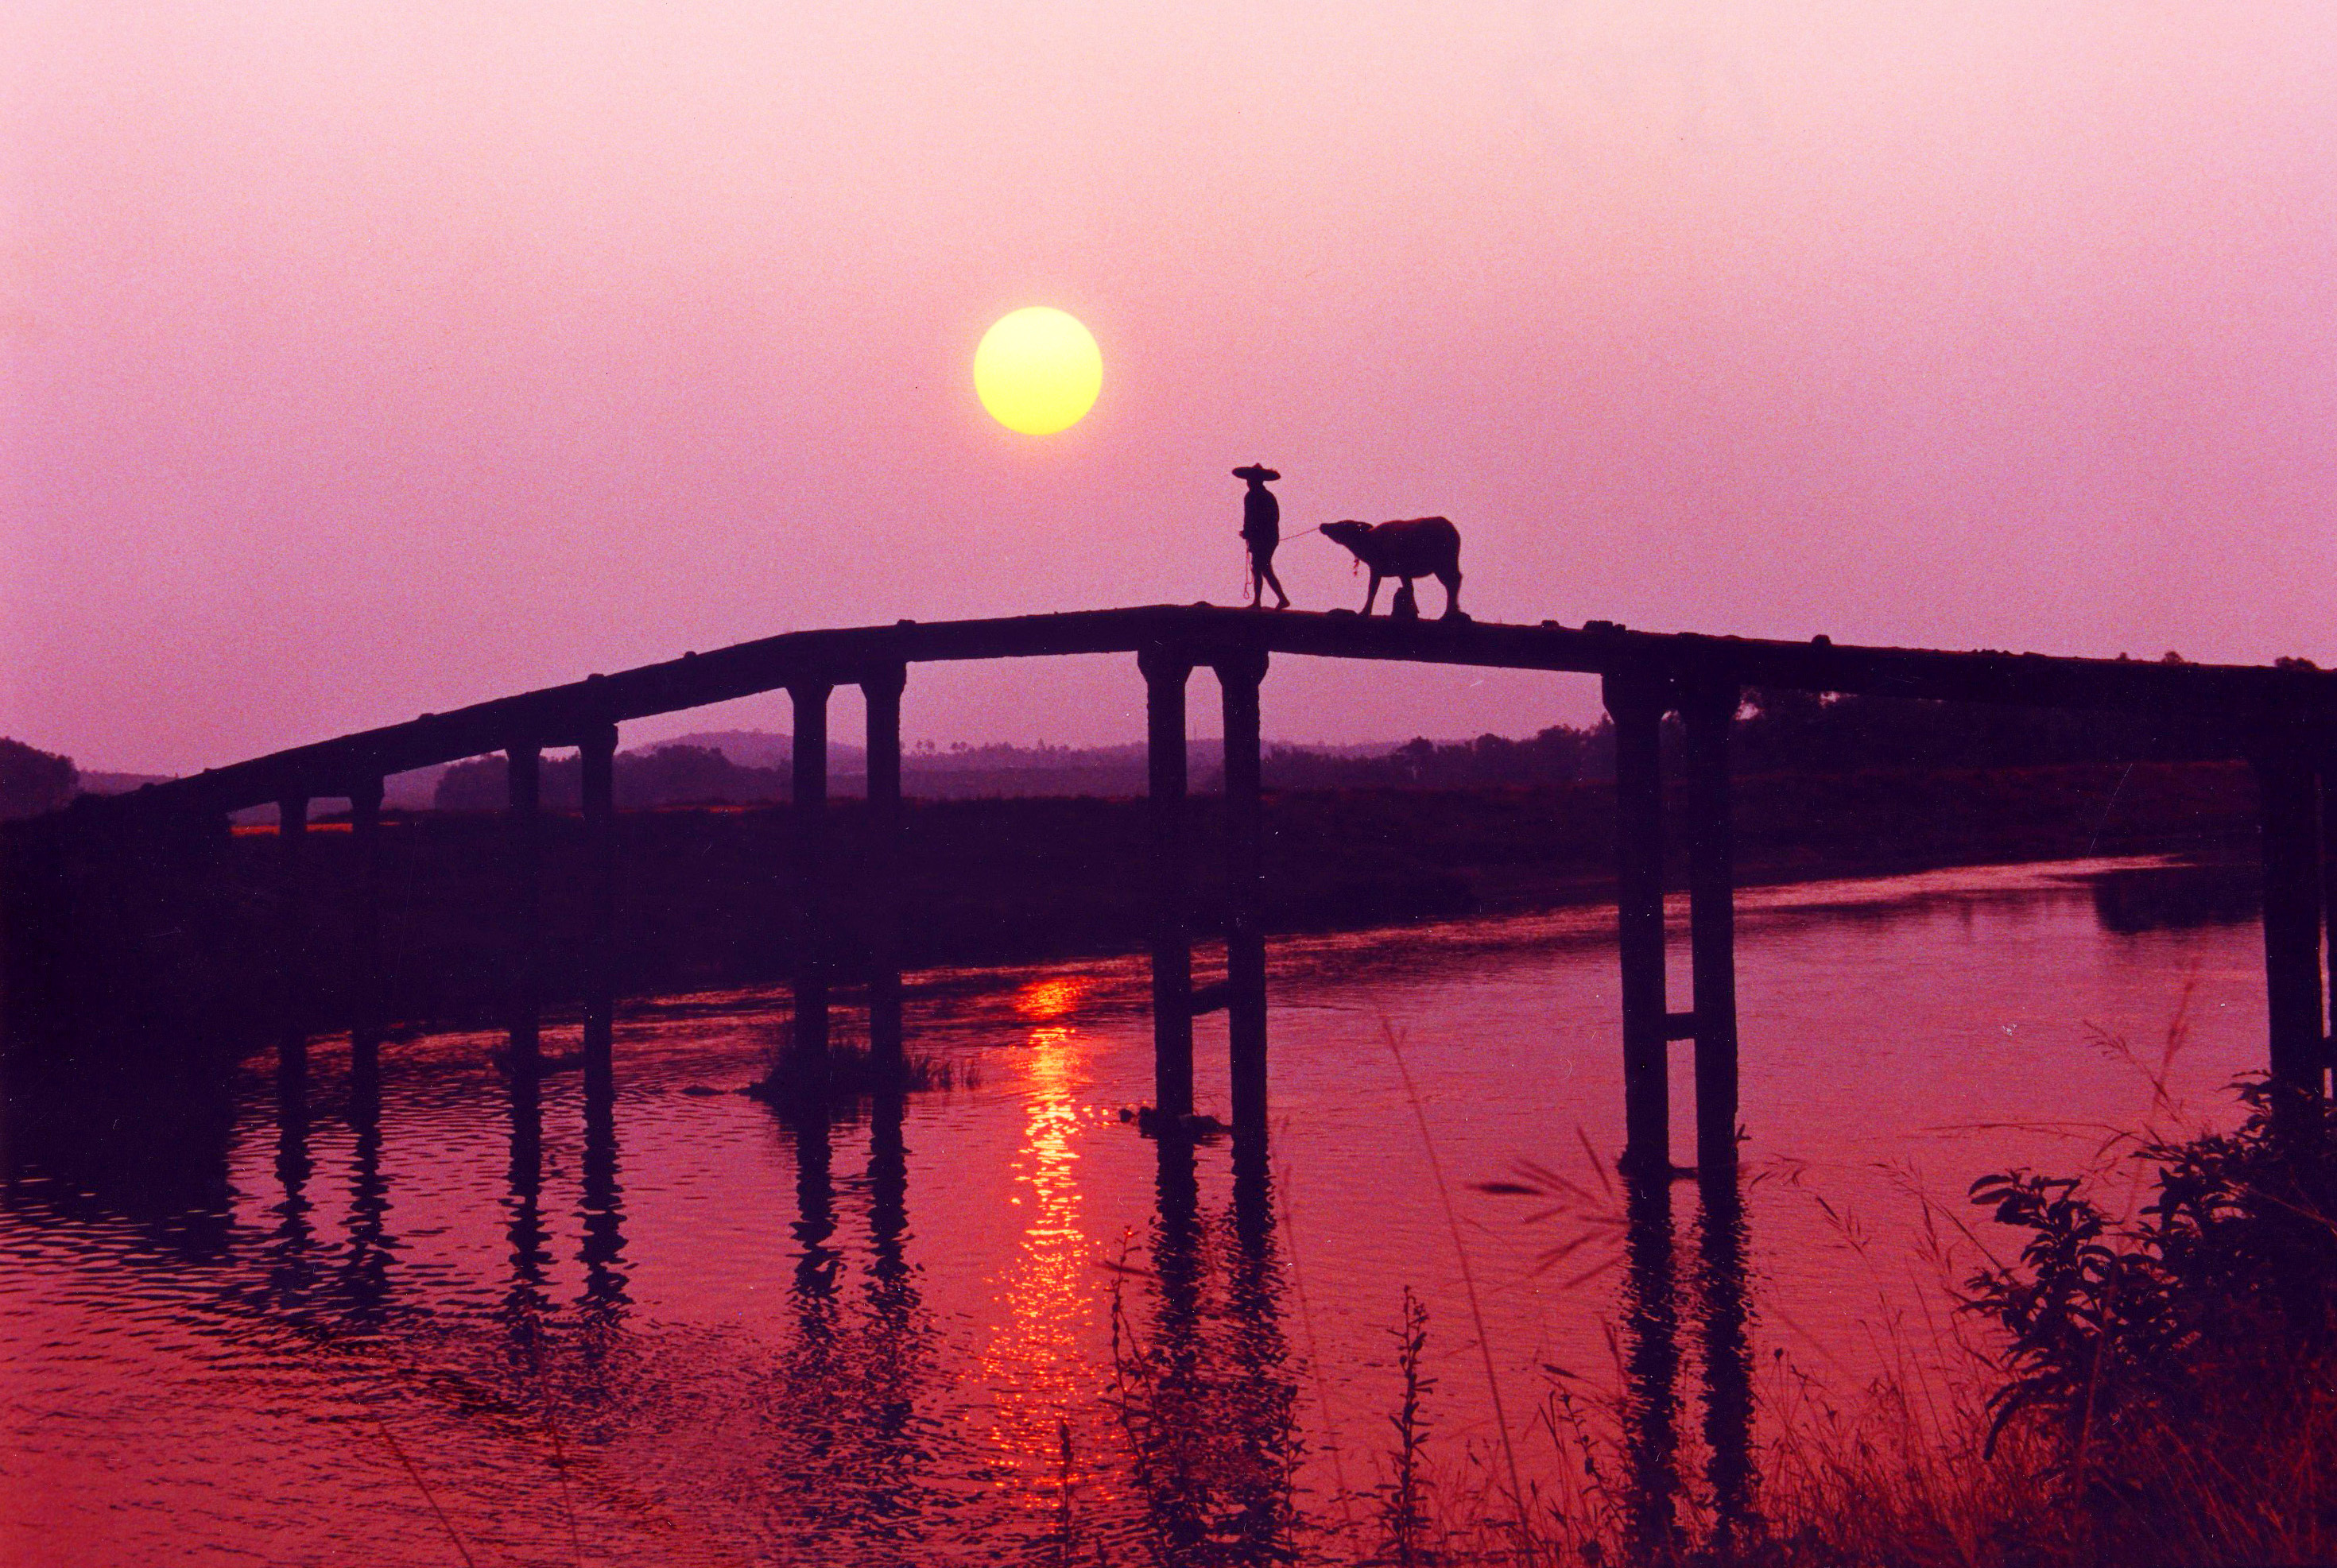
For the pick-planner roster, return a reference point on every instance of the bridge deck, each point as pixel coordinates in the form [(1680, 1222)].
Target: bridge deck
[(2288, 696)]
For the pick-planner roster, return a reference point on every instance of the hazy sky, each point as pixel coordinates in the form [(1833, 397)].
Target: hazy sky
[(369, 359)]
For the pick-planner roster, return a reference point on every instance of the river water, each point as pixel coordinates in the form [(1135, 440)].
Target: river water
[(441, 1323)]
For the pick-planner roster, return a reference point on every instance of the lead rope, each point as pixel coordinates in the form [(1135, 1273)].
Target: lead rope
[(1249, 574)]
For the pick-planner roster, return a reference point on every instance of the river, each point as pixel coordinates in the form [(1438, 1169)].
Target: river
[(439, 1322)]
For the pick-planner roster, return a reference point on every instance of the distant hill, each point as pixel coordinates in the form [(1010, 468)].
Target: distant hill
[(401, 791), (755, 767), (100, 782), (670, 774), (1001, 770), (32, 781), (761, 748), (413, 792)]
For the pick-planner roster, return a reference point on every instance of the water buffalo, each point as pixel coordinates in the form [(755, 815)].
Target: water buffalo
[(1415, 547)]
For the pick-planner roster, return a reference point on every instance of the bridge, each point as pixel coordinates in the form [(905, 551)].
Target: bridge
[(2281, 718)]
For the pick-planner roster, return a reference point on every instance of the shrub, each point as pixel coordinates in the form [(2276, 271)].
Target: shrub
[(2226, 1277)]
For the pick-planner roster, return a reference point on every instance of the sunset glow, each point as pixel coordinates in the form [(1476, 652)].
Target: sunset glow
[(1038, 371), (1964, 325)]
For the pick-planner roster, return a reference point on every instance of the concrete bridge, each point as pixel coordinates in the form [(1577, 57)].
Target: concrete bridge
[(2281, 718)]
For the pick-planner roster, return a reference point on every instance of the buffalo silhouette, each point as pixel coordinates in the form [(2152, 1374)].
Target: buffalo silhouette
[(1413, 547)]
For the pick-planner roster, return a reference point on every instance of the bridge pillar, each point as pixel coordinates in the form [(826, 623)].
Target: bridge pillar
[(597, 756), (525, 780), (2291, 914), (1637, 702), (810, 699), (1238, 679), (2327, 783), (1708, 712), (292, 906), (366, 968), (881, 691), (1166, 672)]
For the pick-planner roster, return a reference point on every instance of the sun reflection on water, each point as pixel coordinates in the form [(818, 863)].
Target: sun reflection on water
[(1054, 997), (1035, 1362)]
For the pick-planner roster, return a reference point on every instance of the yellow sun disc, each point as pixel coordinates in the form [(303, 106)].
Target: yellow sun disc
[(1038, 371)]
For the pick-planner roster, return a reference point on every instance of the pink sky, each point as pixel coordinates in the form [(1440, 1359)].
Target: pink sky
[(369, 359)]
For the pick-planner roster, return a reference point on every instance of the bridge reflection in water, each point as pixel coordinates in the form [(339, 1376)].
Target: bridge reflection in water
[(846, 1437)]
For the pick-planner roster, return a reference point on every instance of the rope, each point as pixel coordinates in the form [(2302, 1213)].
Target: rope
[(1250, 577)]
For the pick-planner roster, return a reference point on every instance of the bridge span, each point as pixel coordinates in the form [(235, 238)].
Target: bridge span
[(2281, 718)]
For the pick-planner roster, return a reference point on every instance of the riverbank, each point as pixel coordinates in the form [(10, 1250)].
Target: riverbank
[(712, 897)]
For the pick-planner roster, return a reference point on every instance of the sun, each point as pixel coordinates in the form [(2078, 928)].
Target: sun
[(1037, 370)]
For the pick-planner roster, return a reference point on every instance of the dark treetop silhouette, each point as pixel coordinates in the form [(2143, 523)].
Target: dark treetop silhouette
[(1261, 530)]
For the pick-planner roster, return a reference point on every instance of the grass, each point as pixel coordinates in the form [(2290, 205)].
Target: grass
[(1403, 1516), (850, 1071), (2157, 1386), (2148, 1375), (1209, 1432)]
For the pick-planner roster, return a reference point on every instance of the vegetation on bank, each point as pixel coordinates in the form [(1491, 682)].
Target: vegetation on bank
[(2146, 1379), (710, 898), (1796, 733), (1779, 732), (849, 1070)]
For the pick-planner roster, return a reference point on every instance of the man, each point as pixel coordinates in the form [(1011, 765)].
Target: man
[(1261, 530)]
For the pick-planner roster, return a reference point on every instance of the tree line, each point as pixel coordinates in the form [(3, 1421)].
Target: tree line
[(665, 775), (32, 781), (1789, 732)]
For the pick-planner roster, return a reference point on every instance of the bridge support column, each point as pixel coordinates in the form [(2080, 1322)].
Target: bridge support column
[(292, 906), (366, 968), (2328, 784), (1708, 713), (1637, 702), (811, 872), (596, 755), (881, 691), (1166, 672), (2292, 915), (1238, 679), (524, 777)]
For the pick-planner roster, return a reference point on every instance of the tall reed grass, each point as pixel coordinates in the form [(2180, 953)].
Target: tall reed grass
[(2147, 1376)]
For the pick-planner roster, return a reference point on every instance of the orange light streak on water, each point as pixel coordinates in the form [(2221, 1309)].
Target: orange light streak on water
[(1040, 1360), (1055, 996)]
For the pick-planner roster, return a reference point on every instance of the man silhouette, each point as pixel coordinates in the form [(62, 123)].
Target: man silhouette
[(1261, 530)]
